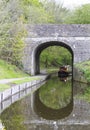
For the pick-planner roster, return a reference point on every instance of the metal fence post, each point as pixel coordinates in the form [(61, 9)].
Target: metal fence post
[(19, 91), (26, 88), (36, 85), (11, 95), (1, 101)]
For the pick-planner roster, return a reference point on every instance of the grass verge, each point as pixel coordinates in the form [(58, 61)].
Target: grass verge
[(10, 71), (4, 87), (16, 82), (85, 68), (28, 79)]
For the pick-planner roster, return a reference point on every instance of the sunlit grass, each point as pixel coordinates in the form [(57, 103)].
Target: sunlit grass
[(52, 70), (10, 71), (4, 87), (16, 82), (27, 79)]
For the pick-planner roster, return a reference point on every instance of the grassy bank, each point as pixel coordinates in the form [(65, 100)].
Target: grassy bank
[(8, 71), (85, 68), (16, 82)]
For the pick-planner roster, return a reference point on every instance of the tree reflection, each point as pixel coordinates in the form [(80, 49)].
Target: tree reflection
[(56, 94), (54, 99), (12, 118)]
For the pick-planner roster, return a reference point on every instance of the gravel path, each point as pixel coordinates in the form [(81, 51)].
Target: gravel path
[(5, 81)]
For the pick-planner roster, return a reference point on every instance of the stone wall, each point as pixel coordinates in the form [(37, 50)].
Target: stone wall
[(60, 30), (79, 76)]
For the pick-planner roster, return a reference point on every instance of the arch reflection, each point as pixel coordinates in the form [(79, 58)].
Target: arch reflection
[(55, 101)]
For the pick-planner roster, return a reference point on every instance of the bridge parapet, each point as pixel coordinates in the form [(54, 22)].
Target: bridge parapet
[(73, 36), (60, 30)]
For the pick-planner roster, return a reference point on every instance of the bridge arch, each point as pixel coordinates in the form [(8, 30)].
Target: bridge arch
[(76, 36), (35, 66)]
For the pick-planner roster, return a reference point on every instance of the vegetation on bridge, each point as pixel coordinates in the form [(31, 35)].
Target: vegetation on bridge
[(14, 14)]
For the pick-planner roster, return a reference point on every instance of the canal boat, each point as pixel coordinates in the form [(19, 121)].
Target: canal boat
[(63, 72)]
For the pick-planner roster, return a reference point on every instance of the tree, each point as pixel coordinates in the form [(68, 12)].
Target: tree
[(13, 117), (54, 56), (34, 12), (80, 15), (58, 12), (14, 14), (11, 27)]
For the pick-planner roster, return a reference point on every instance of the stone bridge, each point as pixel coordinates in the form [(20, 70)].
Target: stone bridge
[(74, 37)]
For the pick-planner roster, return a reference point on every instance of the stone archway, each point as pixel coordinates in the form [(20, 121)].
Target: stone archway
[(35, 69), (75, 37)]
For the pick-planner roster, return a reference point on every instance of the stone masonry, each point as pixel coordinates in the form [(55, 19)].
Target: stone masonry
[(74, 37)]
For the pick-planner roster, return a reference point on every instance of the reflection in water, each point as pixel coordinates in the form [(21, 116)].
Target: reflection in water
[(21, 115), (64, 79), (54, 99), (55, 94), (49, 113), (13, 117)]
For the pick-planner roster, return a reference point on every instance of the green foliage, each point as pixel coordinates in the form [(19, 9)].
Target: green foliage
[(86, 95), (13, 16), (80, 15), (56, 94), (11, 33), (31, 2), (17, 44), (4, 87), (24, 80), (57, 11), (12, 118), (85, 67), (15, 13), (34, 12), (10, 71), (55, 56)]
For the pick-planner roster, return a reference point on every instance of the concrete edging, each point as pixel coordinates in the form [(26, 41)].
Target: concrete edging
[(17, 92)]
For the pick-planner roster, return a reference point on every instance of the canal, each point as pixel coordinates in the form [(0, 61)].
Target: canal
[(54, 106)]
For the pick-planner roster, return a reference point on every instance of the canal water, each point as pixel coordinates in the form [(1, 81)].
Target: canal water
[(54, 106)]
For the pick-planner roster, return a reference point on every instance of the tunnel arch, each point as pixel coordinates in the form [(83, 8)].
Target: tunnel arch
[(37, 51)]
